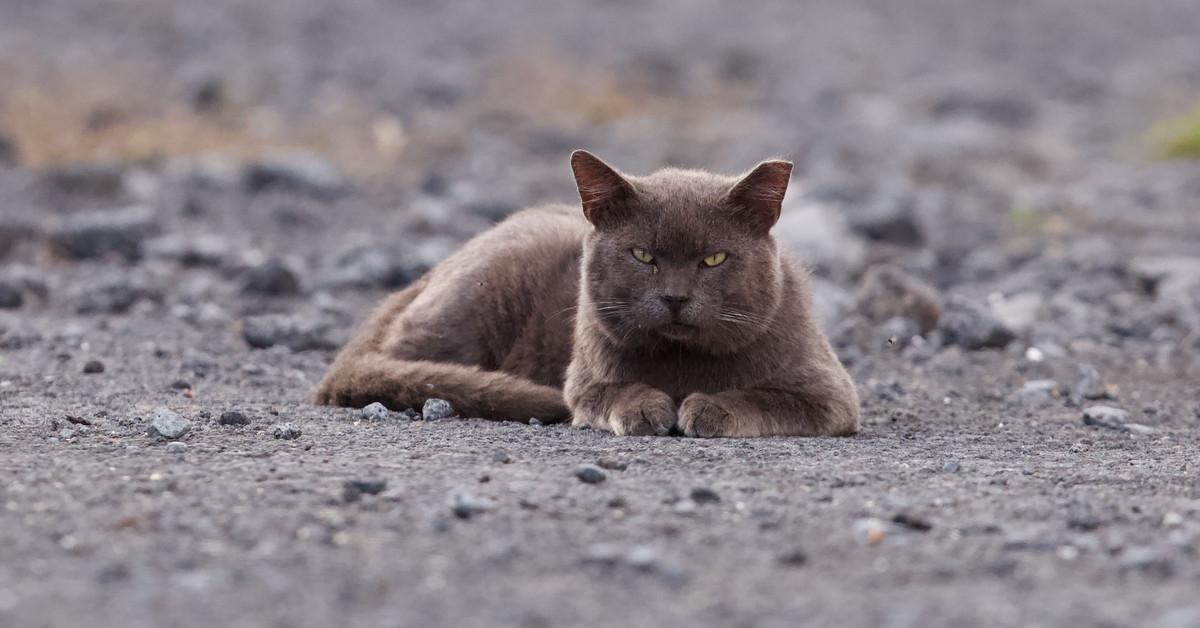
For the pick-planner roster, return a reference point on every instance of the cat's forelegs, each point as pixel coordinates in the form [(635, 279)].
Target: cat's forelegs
[(826, 411), (626, 409)]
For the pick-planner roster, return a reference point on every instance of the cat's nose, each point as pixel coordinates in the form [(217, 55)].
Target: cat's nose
[(674, 302)]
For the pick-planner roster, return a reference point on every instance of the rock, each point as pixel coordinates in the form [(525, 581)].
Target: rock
[(1018, 312), (177, 447), (233, 417), (1168, 277), (292, 331), (382, 265), (887, 292), (110, 294), (437, 409), (972, 327), (11, 295), (793, 558), (1088, 383), (501, 456), (818, 232), (286, 431), (1007, 110), (195, 251), (169, 425), (1108, 417), (912, 522), (685, 507), (611, 464), (704, 495), (534, 422), (410, 414), (890, 218), (951, 466), (92, 367), (1151, 560), (296, 172), (465, 506), (352, 490), (375, 411), (590, 474), (99, 179), (180, 384), (1035, 394), (101, 234), (271, 278), (606, 554)]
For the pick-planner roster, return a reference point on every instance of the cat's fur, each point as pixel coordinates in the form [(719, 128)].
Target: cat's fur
[(549, 315)]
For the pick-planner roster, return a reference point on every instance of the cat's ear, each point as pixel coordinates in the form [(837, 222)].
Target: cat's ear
[(758, 196), (601, 188)]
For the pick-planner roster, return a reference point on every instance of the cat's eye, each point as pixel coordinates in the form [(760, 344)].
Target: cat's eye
[(716, 259), (642, 256)]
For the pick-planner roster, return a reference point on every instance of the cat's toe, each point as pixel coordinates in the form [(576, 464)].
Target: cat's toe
[(702, 417), (653, 415)]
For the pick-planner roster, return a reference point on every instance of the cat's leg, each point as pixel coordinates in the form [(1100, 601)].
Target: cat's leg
[(807, 411), (624, 408)]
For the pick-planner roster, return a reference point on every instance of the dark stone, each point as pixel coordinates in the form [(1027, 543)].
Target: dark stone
[(113, 294), (101, 234), (704, 495), (294, 332), (298, 172), (272, 278), (9, 154), (887, 292), (95, 179), (378, 266), (793, 558), (611, 464), (590, 474), (972, 327), (352, 490), (912, 522), (93, 366), (180, 384), (11, 295), (233, 417)]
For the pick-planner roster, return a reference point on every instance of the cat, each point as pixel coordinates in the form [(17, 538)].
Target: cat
[(665, 306)]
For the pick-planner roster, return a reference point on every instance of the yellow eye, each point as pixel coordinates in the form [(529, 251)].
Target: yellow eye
[(716, 259), (642, 256)]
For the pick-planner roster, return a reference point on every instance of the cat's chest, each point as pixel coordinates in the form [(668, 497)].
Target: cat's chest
[(682, 374)]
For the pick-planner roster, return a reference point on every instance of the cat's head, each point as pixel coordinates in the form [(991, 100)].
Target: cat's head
[(682, 256)]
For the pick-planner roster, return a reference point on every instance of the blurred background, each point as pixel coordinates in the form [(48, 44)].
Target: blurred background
[(995, 149)]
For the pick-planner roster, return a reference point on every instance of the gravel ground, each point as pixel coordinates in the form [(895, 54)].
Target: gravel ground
[(199, 201)]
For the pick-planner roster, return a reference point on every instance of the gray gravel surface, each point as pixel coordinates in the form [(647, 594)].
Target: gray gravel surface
[(991, 152)]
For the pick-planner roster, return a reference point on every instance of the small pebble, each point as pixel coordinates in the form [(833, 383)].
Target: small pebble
[(1107, 417), (685, 507), (534, 422), (287, 431), (352, 490), (590, 474), (233, 417), (93, 366), (793, 558), (871, 531), (501, 456), (611, 464), (704, 495), (951, 466), (180, 384), (176, 447), (643, 557), (437, 409), (375, 412), (169, 425)]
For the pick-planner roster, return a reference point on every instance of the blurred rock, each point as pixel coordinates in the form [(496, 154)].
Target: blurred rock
[(1112, 418), (1018, 312), (819, 236), (233, 417), (384, 265), (376, 412), (203, 250), (1168, 277), (887, 292), (1088, 383), (1008, 110), (94, 179), (296, 332), (972, 327), (11, 295), (287, 431), (273, 277), (113, 293), (437, 409), (1035, 394), (296, 172), (893, 221), (105, 233)]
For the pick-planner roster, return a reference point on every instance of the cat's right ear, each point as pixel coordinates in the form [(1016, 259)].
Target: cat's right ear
[(601, 188)]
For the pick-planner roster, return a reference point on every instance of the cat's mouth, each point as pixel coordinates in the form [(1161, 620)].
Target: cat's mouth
[(676, 330)]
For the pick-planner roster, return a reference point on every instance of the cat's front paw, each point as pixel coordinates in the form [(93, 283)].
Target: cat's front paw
[(649, 413), (702, 416)]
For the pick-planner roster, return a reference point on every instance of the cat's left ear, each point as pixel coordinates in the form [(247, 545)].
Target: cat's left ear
[(758, 196)]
